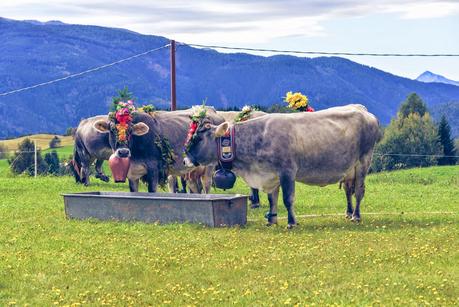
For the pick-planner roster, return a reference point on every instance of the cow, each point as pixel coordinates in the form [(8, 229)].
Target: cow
[(147, 134), (90, 146), (230, 116), (275, 150)]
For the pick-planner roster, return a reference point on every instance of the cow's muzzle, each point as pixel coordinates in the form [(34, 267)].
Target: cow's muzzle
[(190, 162), (123, 152)]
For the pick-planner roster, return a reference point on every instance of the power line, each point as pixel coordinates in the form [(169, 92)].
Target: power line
[(376, 154), (326, 53), (83, 72)]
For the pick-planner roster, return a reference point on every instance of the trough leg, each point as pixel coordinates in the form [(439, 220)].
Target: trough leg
[(288, 193), (254, 198), (99, 173), (272, 214)]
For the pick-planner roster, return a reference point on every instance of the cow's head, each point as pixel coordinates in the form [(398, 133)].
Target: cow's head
[(202, 149), (120, 134)]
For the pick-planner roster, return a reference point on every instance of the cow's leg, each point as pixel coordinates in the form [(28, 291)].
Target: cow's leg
[(152, 182), (199, 184), (349, 188), (99, 172), (134, 185), (172, 184), (193, 185), (360, 174), (85, 172), (272, 214), (288, 193), (207, 178), (254, 198), (183, 182)]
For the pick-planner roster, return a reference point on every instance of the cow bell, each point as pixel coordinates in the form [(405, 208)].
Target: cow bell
[(119, 167), (224, 179)]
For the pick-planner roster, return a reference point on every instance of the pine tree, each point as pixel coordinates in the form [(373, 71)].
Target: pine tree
[(444, 134), (23, 160), (410, 140), (412, 104), (52, 160)]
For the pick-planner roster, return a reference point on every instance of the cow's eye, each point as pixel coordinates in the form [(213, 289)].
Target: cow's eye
[(204, 127)]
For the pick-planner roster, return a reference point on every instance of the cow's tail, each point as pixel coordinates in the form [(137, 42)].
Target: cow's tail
[(76, 165)]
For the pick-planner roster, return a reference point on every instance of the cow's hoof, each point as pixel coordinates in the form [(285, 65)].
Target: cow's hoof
[(269, 224), (291, 226), (355, 219), (348, 215), (104, 178), (255, 206)]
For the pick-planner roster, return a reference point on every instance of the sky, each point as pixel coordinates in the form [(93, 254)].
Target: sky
[(381, 26)]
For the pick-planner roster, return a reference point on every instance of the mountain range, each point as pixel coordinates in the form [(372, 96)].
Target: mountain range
[(34, 52)]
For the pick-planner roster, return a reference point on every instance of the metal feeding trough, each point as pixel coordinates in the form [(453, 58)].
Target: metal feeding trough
[(209, 209)]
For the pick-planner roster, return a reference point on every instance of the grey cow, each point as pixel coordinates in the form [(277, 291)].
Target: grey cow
[(319, 148), (90, 146)]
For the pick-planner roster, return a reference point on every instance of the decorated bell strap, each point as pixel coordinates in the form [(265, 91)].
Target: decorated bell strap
[(226, 148)]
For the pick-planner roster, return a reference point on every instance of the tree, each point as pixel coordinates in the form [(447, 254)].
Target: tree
[(23, 160), (55, 142), (123, 95), (409, 140), (52, 160), (444, 134), (412, 104), (70, 131)]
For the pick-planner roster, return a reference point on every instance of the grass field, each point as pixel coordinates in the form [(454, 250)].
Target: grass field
[(406, 256), (41, 139), (64, 151)]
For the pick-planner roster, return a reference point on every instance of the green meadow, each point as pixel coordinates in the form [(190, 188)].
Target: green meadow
[(405, 251)]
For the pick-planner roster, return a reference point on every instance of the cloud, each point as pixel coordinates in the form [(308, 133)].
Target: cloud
[(226, 21)]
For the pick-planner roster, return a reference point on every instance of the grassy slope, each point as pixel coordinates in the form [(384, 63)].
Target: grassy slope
[(42, 141), (392, 259)]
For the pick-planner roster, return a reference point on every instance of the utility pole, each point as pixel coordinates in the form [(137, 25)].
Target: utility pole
[(173, 93), (35, 156)]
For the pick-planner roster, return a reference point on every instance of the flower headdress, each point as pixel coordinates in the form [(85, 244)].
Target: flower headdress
[(121, 114), (296, 101), (245, 114), (197, 115), (149, 109)]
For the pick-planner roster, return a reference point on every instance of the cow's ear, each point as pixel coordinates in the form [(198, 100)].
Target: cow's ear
[(221, 130), (102, 126), (140, 129)]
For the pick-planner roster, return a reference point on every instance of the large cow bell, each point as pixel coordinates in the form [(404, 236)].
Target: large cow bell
[(119, 167), (224, 179)]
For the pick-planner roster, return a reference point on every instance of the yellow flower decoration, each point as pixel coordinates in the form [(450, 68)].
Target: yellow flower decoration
[(296, 100)]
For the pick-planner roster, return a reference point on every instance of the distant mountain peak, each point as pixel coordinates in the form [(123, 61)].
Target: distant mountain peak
[(429, 77)]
